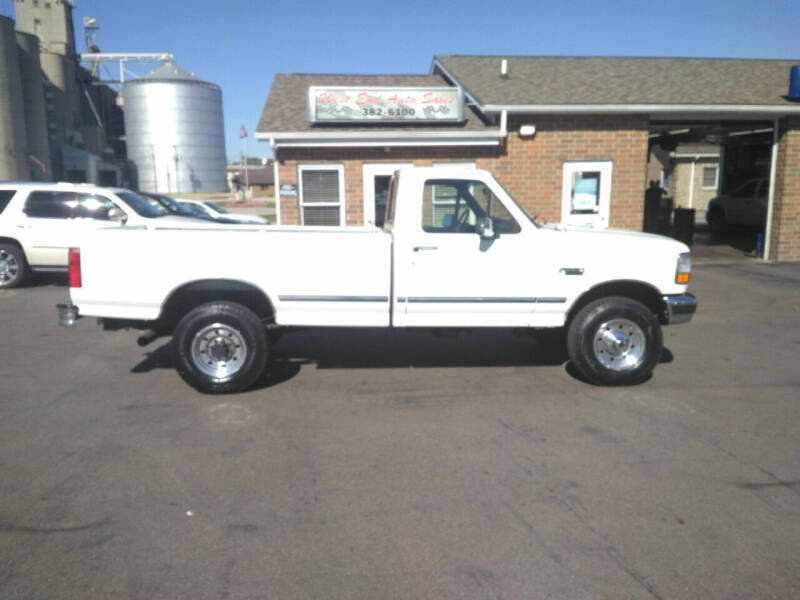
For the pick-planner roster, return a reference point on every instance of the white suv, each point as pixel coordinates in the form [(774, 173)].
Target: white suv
[(39, 222)]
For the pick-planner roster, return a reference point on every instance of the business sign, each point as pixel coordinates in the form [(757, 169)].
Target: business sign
[(385, 104), (288, 189)]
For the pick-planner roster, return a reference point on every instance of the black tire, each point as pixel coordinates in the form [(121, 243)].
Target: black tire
[(614, 341), (13, 266), (215, 335), (717, 222)]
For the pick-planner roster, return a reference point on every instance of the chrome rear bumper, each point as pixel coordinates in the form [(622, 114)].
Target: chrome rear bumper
[(679, 309)]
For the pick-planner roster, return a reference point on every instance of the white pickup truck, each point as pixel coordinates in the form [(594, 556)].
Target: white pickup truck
[(455, 251)]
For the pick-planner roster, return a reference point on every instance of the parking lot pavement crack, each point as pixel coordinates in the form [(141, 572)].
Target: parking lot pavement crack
[(572, 505), (551, 553), (7, 527), (623, 564)]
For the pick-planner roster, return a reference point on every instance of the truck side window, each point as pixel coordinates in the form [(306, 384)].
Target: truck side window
[(90, 206), (502, 221), (455, 205), (51, 205), (391, 202)]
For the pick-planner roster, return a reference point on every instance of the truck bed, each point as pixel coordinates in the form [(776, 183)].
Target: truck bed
[(336, 276)]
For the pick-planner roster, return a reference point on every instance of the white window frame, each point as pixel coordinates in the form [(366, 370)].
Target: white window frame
[(369, 172), (599, 220), (321, 167), (716, 177)]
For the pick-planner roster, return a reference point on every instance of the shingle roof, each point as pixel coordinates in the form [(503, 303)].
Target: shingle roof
[(285, 109), (546, 80)]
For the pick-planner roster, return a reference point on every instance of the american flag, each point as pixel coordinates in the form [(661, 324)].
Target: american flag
[(243, 132)]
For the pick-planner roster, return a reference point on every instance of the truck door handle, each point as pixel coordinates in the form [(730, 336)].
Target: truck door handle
[(421, 248)]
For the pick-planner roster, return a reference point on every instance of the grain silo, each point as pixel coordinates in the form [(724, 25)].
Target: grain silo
[(33, 99), (174, 132), (13, 143)]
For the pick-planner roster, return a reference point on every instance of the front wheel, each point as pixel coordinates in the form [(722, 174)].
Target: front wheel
[(614, 341), (220, 347)]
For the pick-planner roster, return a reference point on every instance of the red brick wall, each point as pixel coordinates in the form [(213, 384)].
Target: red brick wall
[(532, 168), (529, 168), (785, 236)]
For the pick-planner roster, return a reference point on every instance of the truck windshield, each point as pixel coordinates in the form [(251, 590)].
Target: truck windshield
[(171, 205), (217, 208), (141, 206)]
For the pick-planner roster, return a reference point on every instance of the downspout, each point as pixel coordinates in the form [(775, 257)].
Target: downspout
[(771, 197), (691, 183)]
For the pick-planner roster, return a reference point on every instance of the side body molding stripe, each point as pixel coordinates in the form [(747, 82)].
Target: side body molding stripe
[(427, 299), (301, 298), (478, 300)]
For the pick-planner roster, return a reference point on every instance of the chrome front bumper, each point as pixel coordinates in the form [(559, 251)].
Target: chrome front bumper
[(67, 315), (679, 309)]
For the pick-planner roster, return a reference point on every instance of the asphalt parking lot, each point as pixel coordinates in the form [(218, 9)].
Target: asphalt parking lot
[(395, 465)]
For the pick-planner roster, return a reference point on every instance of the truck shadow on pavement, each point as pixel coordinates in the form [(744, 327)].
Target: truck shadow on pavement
[(365, 348)]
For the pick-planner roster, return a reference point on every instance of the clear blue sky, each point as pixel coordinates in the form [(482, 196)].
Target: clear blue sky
[(241, 44)]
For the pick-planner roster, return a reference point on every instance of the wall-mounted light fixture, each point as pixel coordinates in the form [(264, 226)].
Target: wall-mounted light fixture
[(527, 130)]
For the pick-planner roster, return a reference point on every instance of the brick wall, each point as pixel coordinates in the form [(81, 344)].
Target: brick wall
[(785, 237), (529, 168)]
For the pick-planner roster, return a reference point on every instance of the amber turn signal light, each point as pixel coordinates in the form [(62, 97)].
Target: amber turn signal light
[(683, 278)]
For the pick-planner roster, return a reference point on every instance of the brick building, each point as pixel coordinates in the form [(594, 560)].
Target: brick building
[(569, 138)]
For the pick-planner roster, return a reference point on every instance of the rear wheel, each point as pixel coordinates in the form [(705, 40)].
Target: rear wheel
[(615, 341), (220, 347), (13, 266)]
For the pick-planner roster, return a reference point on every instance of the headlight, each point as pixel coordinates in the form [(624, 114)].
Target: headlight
[(683, 272)]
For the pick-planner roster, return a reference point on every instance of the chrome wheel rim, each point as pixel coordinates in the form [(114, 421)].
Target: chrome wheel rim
[(619, 345), (9, 267), (219, 351)]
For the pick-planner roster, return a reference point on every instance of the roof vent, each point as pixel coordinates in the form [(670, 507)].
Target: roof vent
[(794, 83), (504, 69)]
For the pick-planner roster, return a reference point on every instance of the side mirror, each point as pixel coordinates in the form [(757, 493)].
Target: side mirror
[(117, 214), (484, 228)]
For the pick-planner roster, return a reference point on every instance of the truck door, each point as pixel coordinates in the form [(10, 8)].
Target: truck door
[(448, 275)]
